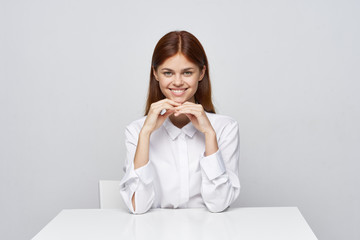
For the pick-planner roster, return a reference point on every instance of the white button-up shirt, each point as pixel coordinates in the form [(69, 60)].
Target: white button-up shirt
[(178, 175)]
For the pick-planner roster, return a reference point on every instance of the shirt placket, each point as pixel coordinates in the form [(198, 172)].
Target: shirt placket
[(184, 170)]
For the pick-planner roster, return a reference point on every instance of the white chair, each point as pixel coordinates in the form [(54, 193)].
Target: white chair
[(110, 197)]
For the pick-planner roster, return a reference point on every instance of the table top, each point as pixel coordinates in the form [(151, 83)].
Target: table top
[(278, 223)]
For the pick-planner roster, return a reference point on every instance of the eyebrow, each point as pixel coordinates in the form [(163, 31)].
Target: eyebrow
[(185, 69)]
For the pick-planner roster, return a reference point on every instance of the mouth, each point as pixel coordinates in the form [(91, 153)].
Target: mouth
[(178, 91)]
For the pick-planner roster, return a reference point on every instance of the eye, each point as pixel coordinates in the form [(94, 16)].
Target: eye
[(167, 74), (187, 73)]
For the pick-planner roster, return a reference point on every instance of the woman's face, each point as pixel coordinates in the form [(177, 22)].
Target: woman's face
[(178, 78)]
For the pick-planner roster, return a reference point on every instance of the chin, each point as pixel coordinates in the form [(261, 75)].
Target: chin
[(178, 101), (181, 100)]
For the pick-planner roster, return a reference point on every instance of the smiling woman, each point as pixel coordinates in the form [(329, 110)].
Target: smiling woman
[(184, 48), (180, 154), (178, 78)]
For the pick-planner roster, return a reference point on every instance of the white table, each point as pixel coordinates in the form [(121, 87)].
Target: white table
[(278, 223)]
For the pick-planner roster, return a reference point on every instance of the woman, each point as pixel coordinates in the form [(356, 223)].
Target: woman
[(181, 154)]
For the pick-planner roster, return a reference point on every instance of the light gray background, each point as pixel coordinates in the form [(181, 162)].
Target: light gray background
[(75, 73)]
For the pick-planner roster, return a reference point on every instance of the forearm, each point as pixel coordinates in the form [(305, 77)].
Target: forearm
[(211, 144), (141, 157), (142, 151), (220, 180)]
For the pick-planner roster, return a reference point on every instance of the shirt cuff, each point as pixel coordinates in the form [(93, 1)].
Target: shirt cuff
[(213, 165), (145, 173)]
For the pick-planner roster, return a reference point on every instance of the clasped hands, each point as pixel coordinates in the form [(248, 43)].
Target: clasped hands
[(195, 113)]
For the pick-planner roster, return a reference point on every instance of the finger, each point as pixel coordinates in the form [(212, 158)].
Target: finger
[(189, 103), (190, 107), (157, 109), (165, 108), (169, 101), (168, 113), (165, 105), (185, 109), (196, 113), (190, 116), (169, 105)]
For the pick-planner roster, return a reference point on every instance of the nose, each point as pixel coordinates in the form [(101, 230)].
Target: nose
[(178, 81)]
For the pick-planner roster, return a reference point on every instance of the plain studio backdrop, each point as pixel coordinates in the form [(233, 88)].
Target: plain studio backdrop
[(75, 73)]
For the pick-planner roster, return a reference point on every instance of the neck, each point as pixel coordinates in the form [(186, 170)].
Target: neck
[(180, 120)]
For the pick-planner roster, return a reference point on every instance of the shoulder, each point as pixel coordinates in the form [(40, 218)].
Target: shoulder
[(222, 122), (219, 119), (135, 126)]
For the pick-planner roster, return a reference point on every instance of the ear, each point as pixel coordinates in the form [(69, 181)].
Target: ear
[(202, 73), (155, 74)]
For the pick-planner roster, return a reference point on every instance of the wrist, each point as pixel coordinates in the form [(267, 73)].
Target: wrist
[(210, 133), (211, 145), (145, 132)]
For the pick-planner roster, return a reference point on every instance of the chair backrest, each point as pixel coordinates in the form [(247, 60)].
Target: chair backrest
[(110, 197)]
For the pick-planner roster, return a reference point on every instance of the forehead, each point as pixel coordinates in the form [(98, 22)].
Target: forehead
[(178, 61)]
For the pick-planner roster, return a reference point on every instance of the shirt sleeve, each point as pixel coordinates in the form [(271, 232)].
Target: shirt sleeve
[(136, 181), (220, 181)]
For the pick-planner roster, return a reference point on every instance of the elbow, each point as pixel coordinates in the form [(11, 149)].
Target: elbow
[(216, 208), (141, 204), (136, 210), (220, 202), (140, 209)]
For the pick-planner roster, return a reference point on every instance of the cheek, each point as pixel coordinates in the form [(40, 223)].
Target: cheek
[(196, 86), (163, 84), (193, 82)]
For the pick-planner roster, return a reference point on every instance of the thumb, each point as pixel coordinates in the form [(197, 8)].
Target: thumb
[(191, 117), (168, 113)]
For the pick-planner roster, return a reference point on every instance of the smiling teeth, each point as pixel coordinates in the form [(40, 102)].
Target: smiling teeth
[(178, 91)]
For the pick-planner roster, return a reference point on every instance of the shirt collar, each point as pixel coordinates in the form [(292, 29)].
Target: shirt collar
[(174, 131)]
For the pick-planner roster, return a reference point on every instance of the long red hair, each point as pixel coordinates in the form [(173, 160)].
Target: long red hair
[(187, 44)]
